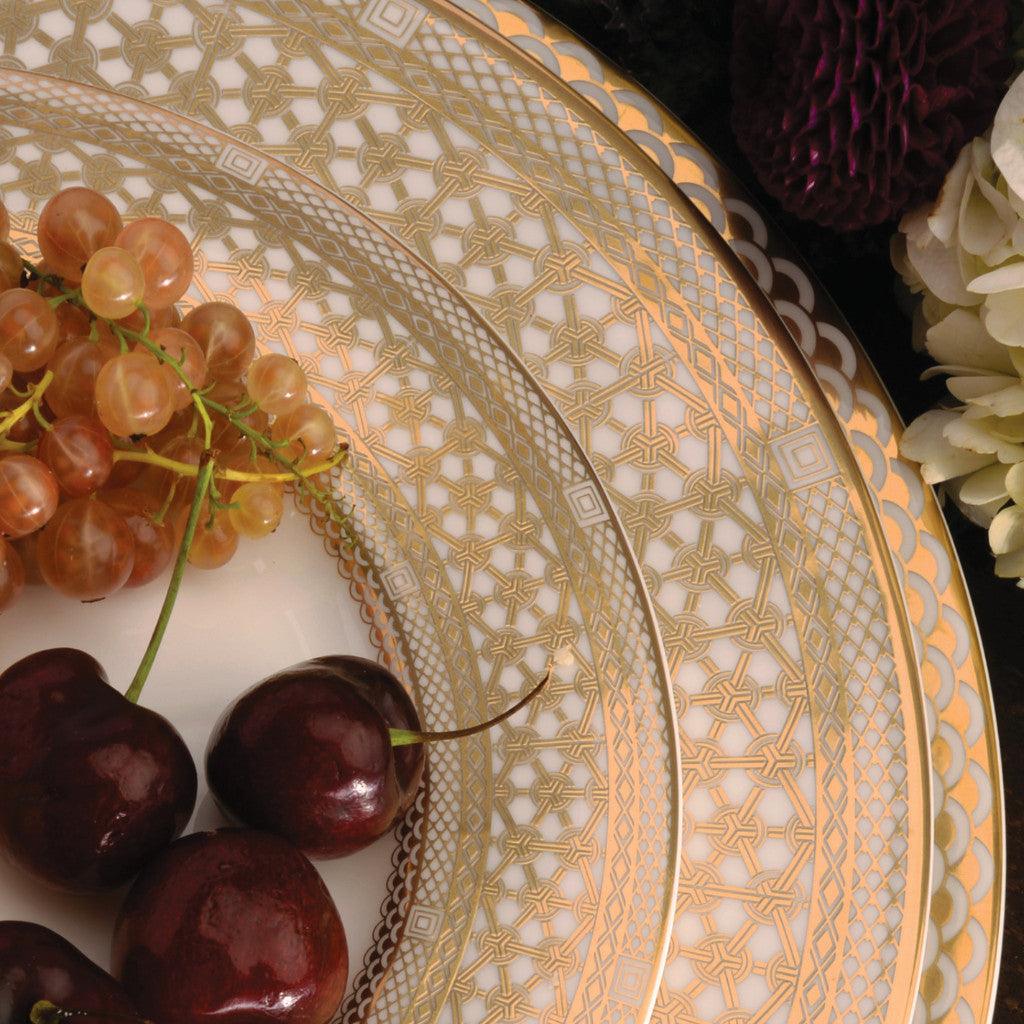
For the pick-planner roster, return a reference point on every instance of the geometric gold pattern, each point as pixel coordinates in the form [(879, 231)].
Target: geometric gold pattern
[(715, 454)]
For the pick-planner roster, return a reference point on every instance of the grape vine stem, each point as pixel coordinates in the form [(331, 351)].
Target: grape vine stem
[(31, 403), (151, 458), (205, 475)]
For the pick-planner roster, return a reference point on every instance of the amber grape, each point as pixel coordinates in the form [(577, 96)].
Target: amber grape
[(188, 356), (86, 550), (133, 395), (73, 225), (310, 434), (79, 452), (28, 495), (165, 257), (154, 541), (28, 329), (112, 283), (225, 336), (75, 367)]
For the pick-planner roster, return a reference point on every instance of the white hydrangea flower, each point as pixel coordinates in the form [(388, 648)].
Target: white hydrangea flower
[(964, 256)]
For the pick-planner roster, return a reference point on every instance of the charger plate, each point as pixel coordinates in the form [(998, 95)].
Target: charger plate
[(969, 858), (806, 819)]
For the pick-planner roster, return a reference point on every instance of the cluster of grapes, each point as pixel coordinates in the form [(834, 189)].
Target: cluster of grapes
[(111, 400)]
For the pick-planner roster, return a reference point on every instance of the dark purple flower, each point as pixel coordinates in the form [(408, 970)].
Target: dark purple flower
[(851, 111)]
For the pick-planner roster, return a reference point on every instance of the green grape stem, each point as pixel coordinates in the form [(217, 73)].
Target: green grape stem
[(206, 467), (30, 405)]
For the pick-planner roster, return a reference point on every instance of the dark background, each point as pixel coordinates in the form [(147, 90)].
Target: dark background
[(679, 51)]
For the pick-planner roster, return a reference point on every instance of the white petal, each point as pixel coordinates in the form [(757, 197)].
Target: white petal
[(980, 226), (1015, 483), (939, 269), (1002, 279), (976, 436), (1003, 316), (942, 218), (981, 515), (1007, 530), (914, 223), (970, 435), (1008, 428), (1011, 564), (1000, 253), (1007, 144), (922, 431), (1008, 402), (960, 338), (925, 442), (970, 389), (985, 485), (998, 201)]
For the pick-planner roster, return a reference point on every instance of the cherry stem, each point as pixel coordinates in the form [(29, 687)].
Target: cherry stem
[(45, 1012), (206, 467), (407, 737)]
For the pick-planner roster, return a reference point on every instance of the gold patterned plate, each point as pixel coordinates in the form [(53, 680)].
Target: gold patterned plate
[(965, 929), (486, 544), (806, 818)]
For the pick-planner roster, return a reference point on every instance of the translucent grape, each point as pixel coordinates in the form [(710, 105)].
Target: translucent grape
[(26, 550), (276, 383), (240, 456), (165, 256), (28, 329), (79, 451), (185, 351), (86, 550), (75, 367), (112, 283), (310, 434), (127, 473), (225, 433), (12, 575), (260, 507), (10, 266), (136, 319), (6, 373), (225, 336), (133, 396), (154, 542), (159, 482), (74, 322), (73, 225), (213, 546), (28, 495)]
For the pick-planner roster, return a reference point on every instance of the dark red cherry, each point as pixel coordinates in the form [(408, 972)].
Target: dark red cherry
[(38, 965), (306, 754), (328, 753), (91, 785), (231, 927)]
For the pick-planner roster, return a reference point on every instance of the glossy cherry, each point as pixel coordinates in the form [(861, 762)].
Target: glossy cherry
[(38, 965), (328, 753), (231, 927), (91, 785)]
